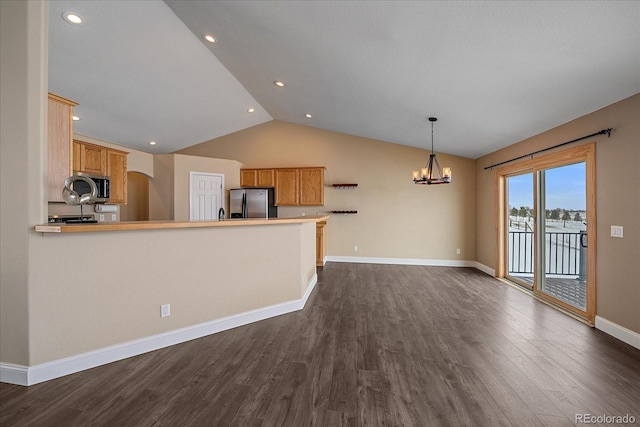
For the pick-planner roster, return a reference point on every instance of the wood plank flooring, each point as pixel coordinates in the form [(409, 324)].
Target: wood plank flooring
[(376, 345)]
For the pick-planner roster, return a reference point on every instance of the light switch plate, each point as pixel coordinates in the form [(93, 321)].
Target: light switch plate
[(617, 231)]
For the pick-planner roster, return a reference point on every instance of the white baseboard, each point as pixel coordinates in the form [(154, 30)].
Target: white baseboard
[(13, 374), (30, 375), (402, 261), (488, 270), (620, 332)]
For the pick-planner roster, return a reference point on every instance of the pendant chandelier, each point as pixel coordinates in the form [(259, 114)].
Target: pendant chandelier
[(431, 173)]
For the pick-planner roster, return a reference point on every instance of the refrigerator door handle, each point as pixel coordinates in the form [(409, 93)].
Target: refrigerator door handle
[(244, 205)]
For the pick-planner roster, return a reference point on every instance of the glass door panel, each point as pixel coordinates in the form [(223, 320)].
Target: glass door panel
[(520, 226), (562, 244)]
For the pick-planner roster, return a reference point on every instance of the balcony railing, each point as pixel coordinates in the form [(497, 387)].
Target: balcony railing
[(562, 253)]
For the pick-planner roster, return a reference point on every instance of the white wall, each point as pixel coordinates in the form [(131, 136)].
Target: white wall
[(23, 128)]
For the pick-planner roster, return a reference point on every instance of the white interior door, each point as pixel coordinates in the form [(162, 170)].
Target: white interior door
[(206, 196)]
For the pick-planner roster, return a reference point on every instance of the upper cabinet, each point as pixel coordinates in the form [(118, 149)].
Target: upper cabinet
[(266, 177), (248, 178), (312, 186), (287, 187), (257, 178), (59, 140), (117, 171), (293, 186), (66, 156), (93, 159), (99, 160)]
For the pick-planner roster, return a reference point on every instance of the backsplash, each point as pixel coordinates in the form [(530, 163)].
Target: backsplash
[(64, 209)]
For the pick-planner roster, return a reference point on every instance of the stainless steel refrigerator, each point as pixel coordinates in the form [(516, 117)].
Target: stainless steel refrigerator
[(252, 203)]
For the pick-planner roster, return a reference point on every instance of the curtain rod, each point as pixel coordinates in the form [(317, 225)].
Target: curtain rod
[(602, 132)]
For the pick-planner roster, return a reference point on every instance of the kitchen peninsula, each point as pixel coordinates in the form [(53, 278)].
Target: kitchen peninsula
[(215, 275), (163, 225)]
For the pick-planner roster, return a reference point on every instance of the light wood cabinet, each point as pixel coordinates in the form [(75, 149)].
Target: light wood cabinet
[(248, 177), (93, 159), (312, 186), (117, 171), (99, 160), (287, 187), (77, 153), (266, 178), (293, 186), (59, 140), (320, 243), (257, 178)]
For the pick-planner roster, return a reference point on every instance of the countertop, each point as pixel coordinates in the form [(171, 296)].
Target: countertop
[(163, 225)]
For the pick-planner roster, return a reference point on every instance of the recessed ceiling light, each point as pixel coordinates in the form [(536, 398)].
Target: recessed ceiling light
[(308, 116), (73, 18), (152, 143), (278, 83), (251, 110), (76, 118), (209, 38)]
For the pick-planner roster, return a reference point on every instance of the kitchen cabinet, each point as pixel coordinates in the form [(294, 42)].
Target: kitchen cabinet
[(293, 186), (77, 151), (287, 187), (117, 171), (59, 141), (99, 160), (320, 243), (248, 178), (93, 159), (266, 178), (257, 178), (312, 186)]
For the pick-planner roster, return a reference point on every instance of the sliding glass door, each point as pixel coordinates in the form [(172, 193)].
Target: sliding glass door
[(520, 225), (546, 230), (562, 238)]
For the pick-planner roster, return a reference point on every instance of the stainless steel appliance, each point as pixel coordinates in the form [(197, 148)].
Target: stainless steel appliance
[(102, 182), (71, 219), (252, 203)]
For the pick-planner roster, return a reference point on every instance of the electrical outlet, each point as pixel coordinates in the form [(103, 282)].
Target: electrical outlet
[(165, 310), (458, 251), (304, 214), (101, 219), (355, 248), (114, 217)]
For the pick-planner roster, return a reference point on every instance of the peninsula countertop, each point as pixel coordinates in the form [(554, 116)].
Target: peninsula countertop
[(163, 225)]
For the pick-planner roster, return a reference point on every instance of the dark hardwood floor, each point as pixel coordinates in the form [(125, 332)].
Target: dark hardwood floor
[(376, 345)]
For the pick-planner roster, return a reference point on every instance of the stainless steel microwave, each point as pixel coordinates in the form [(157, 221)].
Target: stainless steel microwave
[(102, 183)]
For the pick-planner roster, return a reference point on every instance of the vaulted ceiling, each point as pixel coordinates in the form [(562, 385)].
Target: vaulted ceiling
[(493, 73)]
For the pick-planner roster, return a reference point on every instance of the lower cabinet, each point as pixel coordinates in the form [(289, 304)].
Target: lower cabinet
[(320, 243)]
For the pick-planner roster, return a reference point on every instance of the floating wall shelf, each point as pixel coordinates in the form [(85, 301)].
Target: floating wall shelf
[(344, 186)]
